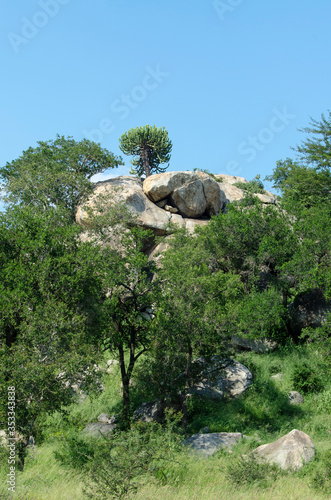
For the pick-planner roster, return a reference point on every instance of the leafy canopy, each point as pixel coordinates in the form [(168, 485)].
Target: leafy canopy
[(49, 308), (150, 147), (56, 173), (306, 182)]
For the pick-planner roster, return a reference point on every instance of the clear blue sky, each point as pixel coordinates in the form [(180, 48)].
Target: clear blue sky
[(230, 80)]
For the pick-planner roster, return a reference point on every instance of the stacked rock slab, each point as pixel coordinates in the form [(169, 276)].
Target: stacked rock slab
[(128, 191), (193, 193), (182, 199)]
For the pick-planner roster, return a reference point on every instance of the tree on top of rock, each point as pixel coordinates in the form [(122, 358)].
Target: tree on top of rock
[(149, 146)]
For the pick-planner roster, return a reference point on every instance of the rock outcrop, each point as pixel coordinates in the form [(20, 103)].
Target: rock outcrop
[(219, 378), (309, 310), (192, 193), (184, 199), (150, 412), (290, 452), (127, 190)]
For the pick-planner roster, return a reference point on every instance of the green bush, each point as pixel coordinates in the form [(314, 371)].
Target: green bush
[(122, 459), (245, 470), (321, 479), (305, 379), (253, 186), (114, 465), (324, 402), (75, 451)]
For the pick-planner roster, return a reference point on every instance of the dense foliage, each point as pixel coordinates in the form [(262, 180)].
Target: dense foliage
[(55, 174), (67, 298)]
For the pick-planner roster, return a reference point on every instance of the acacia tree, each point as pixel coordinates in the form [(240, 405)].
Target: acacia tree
[(150, 147), (55, 174)]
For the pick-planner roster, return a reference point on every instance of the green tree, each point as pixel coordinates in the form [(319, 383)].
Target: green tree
[(306, 182), (305, 185), (127, 294), (49, 308), (315, 151), (55, 174), (301, 186), (190, 316), (150, 147)]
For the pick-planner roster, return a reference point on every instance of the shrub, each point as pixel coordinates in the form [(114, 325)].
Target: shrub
[(245, 470), (324, 402), (75, 451), (253, 186), (305, 379), (113, 465), (321, 479), (120, 460)]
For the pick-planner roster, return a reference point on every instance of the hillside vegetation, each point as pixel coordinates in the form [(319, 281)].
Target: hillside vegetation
[(71, 300)]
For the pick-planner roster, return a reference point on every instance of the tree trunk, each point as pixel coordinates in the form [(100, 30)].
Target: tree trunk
[(289, 328), (145, 160), (187, 387), (125, 388)]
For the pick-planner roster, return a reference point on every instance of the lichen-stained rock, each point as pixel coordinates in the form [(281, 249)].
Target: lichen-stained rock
[(231, 193), (214, 196), (217, 378), (267, 197), (98, 429), (128, 190), (230, 179), (190, 199), (193, 193), (290, 452), (155, 253), (309, 309), (159, 186), (150, 412), (206, 445), (261, 345), (192, 224), (295, 398)]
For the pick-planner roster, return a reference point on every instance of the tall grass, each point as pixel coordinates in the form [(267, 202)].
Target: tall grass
[(263, 413)]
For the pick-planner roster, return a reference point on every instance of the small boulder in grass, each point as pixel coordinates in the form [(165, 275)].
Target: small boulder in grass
[(206, 445), (290, 452), (98, 429), (295, 398)]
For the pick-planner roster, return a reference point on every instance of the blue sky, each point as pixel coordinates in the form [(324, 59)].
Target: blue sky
[(230, 80)]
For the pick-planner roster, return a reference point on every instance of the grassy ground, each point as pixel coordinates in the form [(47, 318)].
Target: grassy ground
[(263, 413)]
